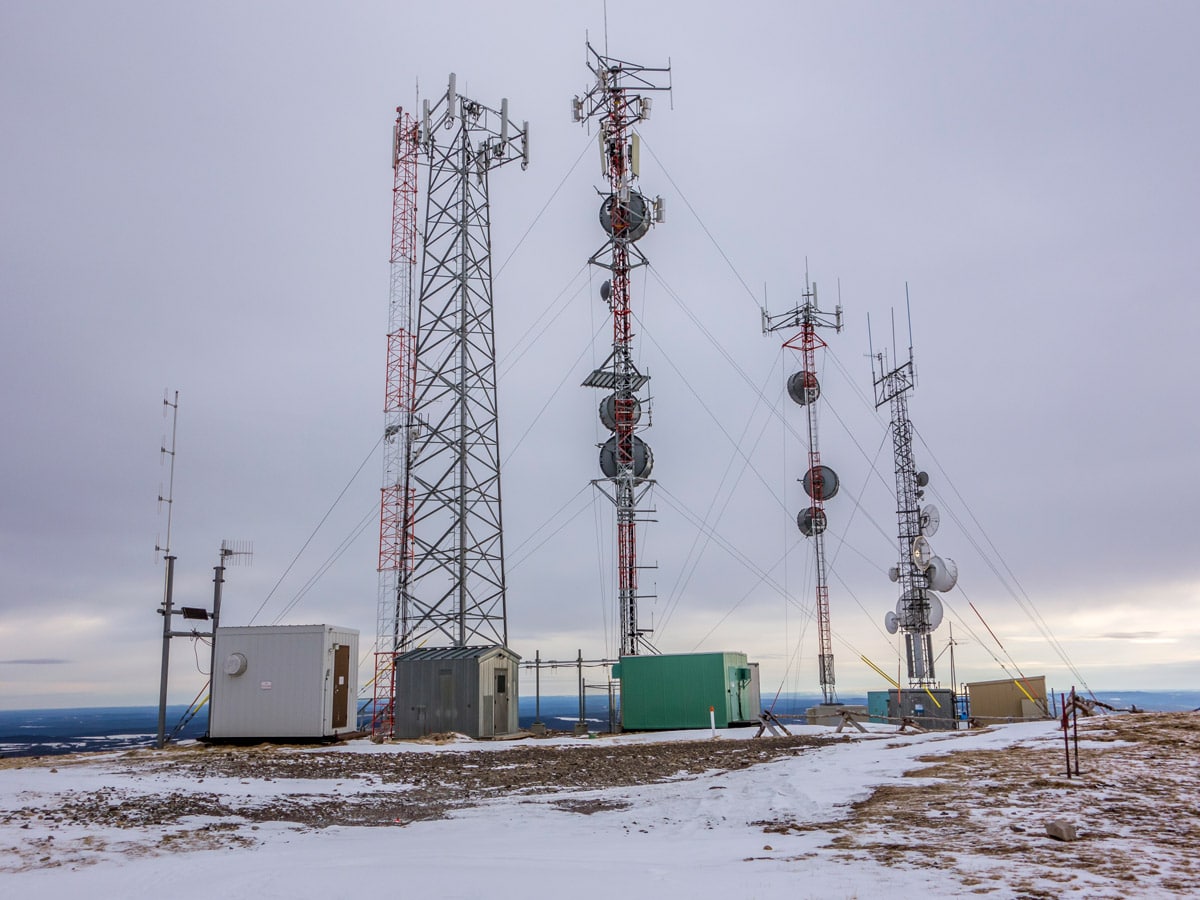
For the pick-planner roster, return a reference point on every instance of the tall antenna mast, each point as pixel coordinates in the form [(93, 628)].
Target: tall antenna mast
[(820, 481), (453, 591), (616, 101), (399, 404), (166, 607), (919, 573)]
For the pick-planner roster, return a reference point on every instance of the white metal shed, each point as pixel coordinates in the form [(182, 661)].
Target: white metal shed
[(284, 682)]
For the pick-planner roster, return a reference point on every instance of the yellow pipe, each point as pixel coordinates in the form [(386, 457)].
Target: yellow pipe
[(885, 675), (1023, 691), (933, 698)]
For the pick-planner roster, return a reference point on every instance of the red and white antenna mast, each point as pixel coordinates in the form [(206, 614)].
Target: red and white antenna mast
[(617, 101), (820, 482), (395, 511)]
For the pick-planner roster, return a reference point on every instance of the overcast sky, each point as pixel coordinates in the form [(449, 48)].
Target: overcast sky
[(196, 197)]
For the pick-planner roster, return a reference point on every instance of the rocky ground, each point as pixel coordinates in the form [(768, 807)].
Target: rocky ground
[(976, 813), (345, 788), (1139, 777)]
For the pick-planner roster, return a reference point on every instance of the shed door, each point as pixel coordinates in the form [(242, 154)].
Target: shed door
[(500, 703), (341, 685)]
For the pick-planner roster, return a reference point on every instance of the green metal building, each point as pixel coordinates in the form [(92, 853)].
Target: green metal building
[(675, 690)]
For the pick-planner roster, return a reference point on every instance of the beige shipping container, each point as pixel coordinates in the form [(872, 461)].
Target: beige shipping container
[(1004, 699)]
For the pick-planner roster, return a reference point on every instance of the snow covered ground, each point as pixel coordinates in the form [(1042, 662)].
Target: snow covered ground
[(881, 814)]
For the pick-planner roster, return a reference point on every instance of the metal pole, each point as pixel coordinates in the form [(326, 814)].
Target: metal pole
[(1075, 729), (537, 687), (218, 580), (953, 680), (166, 655), (579, 663), (1066, 736)]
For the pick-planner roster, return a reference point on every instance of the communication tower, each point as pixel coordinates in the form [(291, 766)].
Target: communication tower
[(919, 573), (820, 481), (396, 504), (449, 559), (618, 100)]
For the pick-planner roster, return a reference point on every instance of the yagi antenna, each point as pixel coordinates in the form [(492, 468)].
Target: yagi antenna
[(237, 553), (165, 548)]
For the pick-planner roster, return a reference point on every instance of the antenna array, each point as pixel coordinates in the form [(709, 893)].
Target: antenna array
[(452, 593), (919, 572), (820, 481), (618, 100)]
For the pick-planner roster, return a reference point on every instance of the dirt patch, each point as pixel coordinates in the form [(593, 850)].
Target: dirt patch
[(1140, 774), (377, 789), (595, 805)]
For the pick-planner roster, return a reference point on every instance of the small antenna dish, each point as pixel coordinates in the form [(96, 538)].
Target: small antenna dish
[(922, 553), (922, 479), (942, 574), (632, 411), (625, 219), (606, 291), (643, 459), (908, 609), (894, 574), (936, 611), (811, 521), (821, 483), (890, 622), (930, 519), (803, 387)]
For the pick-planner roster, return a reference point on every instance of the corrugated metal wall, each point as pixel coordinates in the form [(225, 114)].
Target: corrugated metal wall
[(676, 690), (454, 690), (934, 712), (1002, 699)]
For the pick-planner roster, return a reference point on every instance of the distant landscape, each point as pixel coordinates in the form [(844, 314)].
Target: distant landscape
[(48, 732)]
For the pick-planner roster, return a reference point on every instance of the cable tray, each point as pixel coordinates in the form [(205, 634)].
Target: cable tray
[(607, 380)]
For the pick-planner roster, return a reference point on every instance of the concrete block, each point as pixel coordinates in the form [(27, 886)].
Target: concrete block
[(1061, 830)]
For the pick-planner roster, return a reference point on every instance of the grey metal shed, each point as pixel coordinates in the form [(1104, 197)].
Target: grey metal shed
[(469, 690), (284, 682)]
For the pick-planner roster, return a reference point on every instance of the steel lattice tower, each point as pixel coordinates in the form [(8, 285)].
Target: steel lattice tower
[(395, 516), (820, 482), (919, 573), (616, 101), (453, 592)]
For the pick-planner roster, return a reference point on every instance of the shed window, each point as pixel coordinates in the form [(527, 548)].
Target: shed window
[(501, 682)]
